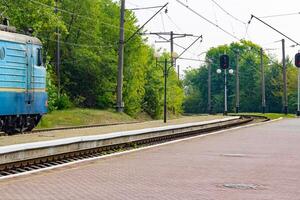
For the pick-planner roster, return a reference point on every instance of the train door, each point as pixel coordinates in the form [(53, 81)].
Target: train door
[(29, 90)]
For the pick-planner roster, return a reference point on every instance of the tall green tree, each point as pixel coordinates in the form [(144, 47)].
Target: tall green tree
[(250, 81), (89, 36)]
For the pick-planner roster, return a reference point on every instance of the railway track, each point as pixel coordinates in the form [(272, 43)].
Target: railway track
[(41, 163), (73, 127)]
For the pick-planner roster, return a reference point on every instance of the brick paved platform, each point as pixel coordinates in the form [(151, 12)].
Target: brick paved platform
[(260, 162)]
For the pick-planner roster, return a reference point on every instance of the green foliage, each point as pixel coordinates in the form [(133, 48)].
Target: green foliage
[(79, 117), (51, 89), (89, 56), (63, 102), (250, 81)]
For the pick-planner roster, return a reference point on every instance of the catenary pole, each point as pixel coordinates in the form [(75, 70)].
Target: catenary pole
[(298, 106), (178, 71), (165, 89), (225, 91), (209, 88), (57, 53), (237, 78), (285, 99), (172, 47), (120, 104), (263, 85)]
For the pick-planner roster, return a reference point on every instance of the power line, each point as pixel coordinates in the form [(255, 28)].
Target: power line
[(271, 42), (235, 18), (80, 45), (78, 15), (228, 33), (178, 45), (145, 8), (281, 15), (252, 16), (162, 21), (175, 25), (172, 21), (190, 45), (192, 59), (215, 14), (137, 31)]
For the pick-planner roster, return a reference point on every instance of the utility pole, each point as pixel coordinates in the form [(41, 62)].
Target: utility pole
[(263, 87), (178, 72), (225, 93), (165, 90), (297, 63), (57, 55), (209, 88), (120, 104), (298, 104), (237, 79), (285, 99), (172, 47)]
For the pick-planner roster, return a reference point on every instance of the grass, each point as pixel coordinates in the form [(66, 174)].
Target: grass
[(270, 115), (78, 117)]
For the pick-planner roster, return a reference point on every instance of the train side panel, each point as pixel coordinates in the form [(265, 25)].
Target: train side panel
[(22, 80)]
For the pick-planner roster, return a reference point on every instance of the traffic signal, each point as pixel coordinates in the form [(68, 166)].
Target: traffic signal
[(224, 61), (297, 60)]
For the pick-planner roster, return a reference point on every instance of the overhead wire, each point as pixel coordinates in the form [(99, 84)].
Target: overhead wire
[(78, 45), (173, 22), (79, 15), (233, 17), (215, 14), (133, 4), (144, 8), (209, 21), (179, 29), (75, 44), (162, 21), (273, 42), (178, 45), (278, 31), (281, 15), (225, 11), (164, 26)]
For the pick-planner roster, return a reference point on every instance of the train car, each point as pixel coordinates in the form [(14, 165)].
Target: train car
[(23, 96)]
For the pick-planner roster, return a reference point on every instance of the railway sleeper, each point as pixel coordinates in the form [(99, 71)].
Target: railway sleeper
[(73, 156)]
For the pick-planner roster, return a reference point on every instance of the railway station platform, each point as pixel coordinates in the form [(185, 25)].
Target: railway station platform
[(61, 134), (257, 162)]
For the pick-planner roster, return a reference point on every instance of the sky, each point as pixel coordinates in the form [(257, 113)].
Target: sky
[(181, 20)]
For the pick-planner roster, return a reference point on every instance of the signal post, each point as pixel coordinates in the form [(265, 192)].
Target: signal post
[(224, 64), (297, 63)]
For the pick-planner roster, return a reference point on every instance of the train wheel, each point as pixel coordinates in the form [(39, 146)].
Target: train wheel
[(33, 122)]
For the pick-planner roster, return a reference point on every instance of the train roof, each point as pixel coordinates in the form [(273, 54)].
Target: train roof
[(19, 38)]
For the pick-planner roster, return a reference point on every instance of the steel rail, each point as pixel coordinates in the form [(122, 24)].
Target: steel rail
[(19, 167)]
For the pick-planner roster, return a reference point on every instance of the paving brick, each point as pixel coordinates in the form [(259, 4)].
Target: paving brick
[(265, 156)]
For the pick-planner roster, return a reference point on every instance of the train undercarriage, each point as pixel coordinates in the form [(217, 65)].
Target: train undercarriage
[(18, 123)]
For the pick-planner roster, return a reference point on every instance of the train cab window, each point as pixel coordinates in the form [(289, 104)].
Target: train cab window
[(39, 57), (2, 53)]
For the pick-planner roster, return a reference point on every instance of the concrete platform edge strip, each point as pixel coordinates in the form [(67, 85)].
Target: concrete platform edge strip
[(19, 152), (44, 144)]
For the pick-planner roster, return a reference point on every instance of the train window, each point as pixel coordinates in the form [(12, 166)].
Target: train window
[(39, 57), (2, 53)]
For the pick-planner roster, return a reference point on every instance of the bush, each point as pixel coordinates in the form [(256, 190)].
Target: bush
[(63, 102)]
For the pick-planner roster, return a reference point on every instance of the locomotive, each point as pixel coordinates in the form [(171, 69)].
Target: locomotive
[(23, 96)]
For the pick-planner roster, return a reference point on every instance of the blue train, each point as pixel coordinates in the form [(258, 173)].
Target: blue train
[(23, 96)]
